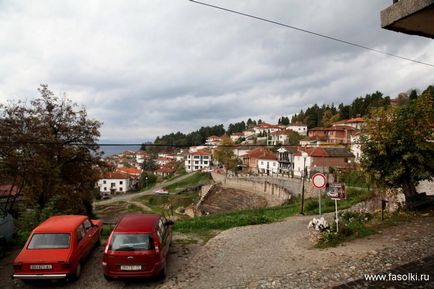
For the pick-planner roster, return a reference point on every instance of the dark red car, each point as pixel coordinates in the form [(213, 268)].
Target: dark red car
[(57, 248), (138, 247)]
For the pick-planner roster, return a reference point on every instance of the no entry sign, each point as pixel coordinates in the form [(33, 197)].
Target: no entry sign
[(319, 180)]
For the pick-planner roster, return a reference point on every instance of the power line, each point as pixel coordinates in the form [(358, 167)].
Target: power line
[(313, 33)]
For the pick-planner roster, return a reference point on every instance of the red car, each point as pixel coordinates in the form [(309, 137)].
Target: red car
[(138, 247), (57, 248)]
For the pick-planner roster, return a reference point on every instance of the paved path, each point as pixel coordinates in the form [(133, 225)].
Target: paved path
[(130, 196)]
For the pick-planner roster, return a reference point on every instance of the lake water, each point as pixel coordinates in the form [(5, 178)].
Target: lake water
[(112, 150)]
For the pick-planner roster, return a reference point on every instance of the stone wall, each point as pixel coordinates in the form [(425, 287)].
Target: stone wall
[(276, 190)]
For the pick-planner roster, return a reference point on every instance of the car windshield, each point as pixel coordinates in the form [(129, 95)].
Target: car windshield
[(49, 241), (131, 242)]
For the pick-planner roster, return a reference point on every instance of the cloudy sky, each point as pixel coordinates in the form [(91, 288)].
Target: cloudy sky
[(149, 67)]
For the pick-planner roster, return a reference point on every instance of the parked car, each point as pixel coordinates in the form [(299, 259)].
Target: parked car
[(57, 248), (138, 247), (161, 192), (7, 230)]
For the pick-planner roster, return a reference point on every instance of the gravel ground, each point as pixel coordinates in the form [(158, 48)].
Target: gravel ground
[(279, 256), (92, 276)]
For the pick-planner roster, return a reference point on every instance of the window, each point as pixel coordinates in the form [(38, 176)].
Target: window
[(112, 185), (104, 182), (205, 162), (121, 182), (196, 162), (105, 188), (80, 233), (196, 157), (87, 225), (131, 242), (262, 163), (121, 189), (49, 241), (206, 157)]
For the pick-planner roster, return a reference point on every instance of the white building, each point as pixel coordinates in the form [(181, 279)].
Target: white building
[(113, 183), (236, 135), (213, 140), (266, 128), (278, 138), (300, 129), (197, 160), (140, 156), (301, 161), (268, 164)]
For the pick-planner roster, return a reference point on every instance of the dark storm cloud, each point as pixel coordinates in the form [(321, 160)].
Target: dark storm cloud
[(145, 68)]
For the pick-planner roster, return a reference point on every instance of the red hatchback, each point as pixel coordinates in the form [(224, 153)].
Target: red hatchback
[(138, 247), (57, 248)]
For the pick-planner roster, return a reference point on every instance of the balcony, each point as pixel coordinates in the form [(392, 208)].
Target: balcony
[(414, 17)]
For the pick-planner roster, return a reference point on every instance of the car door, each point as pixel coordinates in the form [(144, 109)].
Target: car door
[(91, 232), (84, 244), (162, 235)]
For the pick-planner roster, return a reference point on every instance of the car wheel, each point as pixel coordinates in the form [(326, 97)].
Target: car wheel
[(98, 242), (77, 273), (108, 278), (163, 272)]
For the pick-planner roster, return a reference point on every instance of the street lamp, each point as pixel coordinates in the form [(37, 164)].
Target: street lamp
[(304, 155)]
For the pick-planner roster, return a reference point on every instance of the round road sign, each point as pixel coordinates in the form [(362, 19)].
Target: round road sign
[(319, 180)]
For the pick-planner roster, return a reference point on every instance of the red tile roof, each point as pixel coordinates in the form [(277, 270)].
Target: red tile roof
[(130, 171), (351, 120), (257, 153), (116, 176), (202, 152), (167, 168)]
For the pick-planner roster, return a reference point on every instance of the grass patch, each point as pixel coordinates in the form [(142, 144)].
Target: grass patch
[(117, 208), (198, 178), (162, 204), (207, 226)]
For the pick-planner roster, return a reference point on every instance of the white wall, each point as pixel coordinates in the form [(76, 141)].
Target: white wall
[(301, 129), (272, 166), (120, 185), (356, 148), (196, 163), (298, 165)]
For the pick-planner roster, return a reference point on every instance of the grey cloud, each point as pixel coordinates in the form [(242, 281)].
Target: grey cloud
[(146, 69)]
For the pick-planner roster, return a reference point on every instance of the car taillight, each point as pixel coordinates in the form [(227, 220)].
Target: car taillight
[(108, 243), (157, 249), (65, 265), (18, 266)]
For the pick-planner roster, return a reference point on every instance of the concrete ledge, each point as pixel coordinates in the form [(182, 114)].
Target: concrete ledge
[(411, 17)]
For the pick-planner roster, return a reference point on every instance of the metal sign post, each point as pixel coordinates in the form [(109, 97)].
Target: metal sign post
[(319, 181), (337, 219), (337, 192)]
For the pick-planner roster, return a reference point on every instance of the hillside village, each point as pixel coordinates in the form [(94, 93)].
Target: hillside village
[(319, 150)]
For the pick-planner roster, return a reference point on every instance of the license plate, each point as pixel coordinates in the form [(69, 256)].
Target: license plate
[(41, 267), (131, 268)]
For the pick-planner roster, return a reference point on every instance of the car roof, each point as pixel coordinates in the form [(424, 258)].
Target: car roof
[(60, 224), (137, 223)]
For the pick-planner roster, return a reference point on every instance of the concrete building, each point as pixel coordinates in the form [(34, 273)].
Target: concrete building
[(268, 164), (321, 159), (410, 17), (285, 157), (113, 183), (279, 137), (197, 160), (300, 129)]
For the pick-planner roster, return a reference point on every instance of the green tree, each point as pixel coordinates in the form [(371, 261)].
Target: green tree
[(49, 151), (224, 154), (294, 138), (398, 151), (147, 179)]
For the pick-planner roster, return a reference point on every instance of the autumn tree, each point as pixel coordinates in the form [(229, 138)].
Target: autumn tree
[(398, 151), (224, 154), (49, 151)]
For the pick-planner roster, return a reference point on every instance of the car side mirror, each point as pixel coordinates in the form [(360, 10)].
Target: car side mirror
[(169, 223)]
